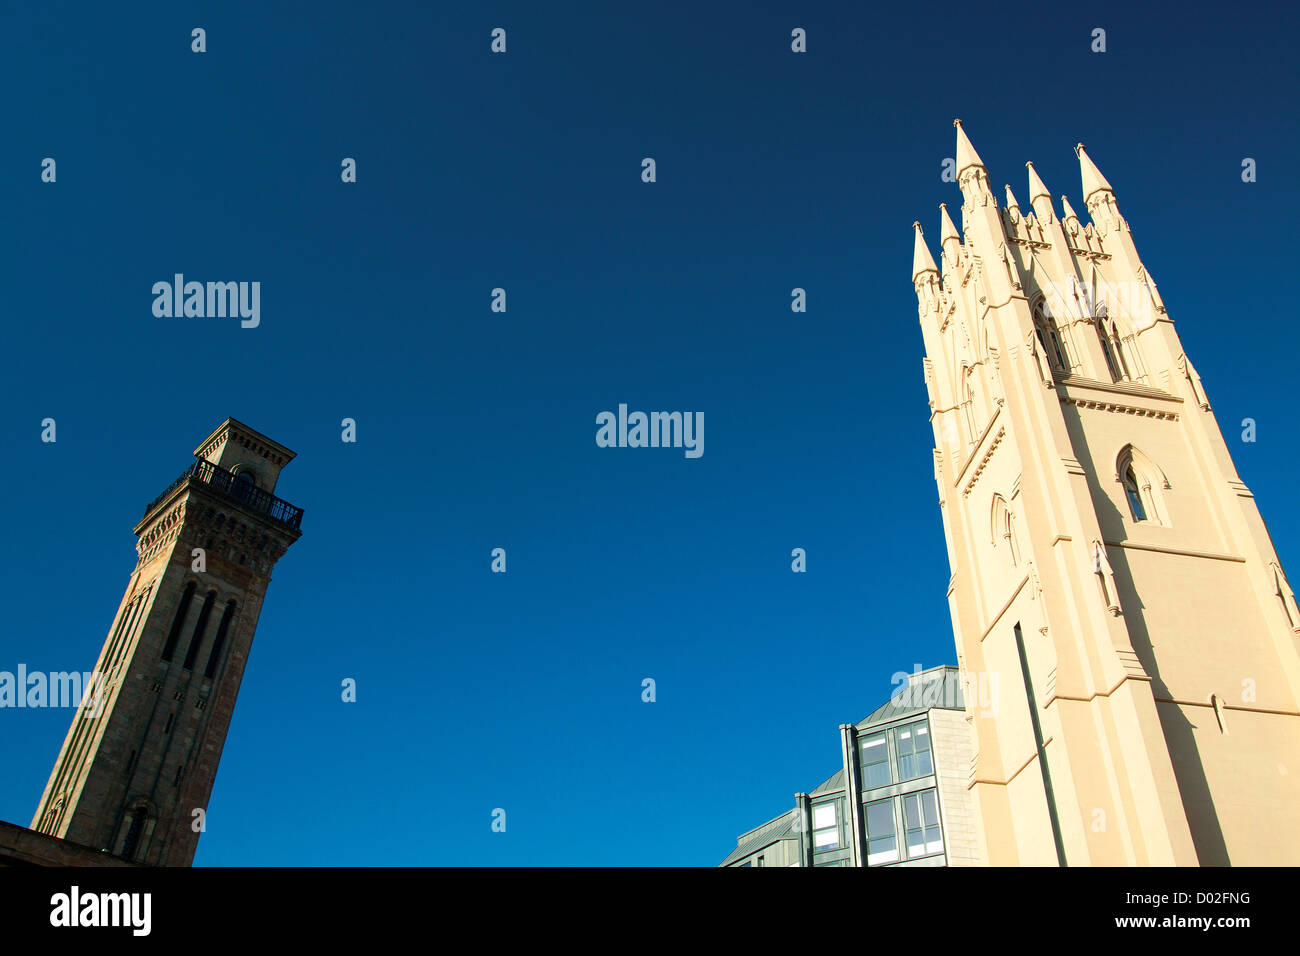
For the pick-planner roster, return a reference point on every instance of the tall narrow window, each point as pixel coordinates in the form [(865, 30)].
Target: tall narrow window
[(1120, 349), (1134, 494), (1050, 339), (921, 821), (133, 833), (199, 628), (1058, 349), (882, 837), (875, 762), (215, 656), (1111, 365), (178, 622)]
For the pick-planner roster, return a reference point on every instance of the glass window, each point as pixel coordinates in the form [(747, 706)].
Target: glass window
[(1134, 495), (921, 820), (913, 744), (875, 762), (882, 841), (826, 830), (1111, 365)]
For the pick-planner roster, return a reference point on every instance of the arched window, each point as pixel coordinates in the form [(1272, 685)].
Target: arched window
[(1049, 338), (1134, 494), (134, 831), (215, 655), (1144, 485), (199, 628), (243, 486), (1109, 351), (178, 622)]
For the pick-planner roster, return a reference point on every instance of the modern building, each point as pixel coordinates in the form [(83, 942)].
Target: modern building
[(900, 798), (132, 781), (1112, 578)]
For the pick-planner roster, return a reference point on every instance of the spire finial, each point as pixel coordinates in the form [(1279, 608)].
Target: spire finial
[(1039, 197), (922, 261), (1093, 180), (947, 228), (966, 155)]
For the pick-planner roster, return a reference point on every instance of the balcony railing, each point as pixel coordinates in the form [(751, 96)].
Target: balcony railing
[(229, 486)]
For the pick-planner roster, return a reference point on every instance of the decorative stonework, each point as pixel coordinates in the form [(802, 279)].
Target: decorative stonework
[(983, 461)]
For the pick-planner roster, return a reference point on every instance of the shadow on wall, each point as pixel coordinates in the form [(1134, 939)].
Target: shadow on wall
[(1179, 731)]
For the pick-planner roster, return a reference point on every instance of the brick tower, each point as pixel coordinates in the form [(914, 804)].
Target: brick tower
[(138, 763)]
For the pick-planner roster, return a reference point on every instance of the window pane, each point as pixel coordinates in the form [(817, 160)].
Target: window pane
[(875, 762), (911, 811), (933, 840), (884, 850), (882, 844), (913, 743), (826, 839), (915, 844), (930, 804), (823, 816)]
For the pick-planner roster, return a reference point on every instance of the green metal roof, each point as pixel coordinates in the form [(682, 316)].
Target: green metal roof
[(774, 830), (936, 689), (834, 782)]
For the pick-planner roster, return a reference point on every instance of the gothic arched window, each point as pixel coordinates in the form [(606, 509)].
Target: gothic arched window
[(1108, 350), (1144, 486), (1050, 339), (1134, 494)]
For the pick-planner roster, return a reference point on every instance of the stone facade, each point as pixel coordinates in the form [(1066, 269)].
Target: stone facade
[(950, 736), (1113, 588)]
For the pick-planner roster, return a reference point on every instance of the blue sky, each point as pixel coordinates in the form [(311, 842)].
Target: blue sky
[(476, 429)]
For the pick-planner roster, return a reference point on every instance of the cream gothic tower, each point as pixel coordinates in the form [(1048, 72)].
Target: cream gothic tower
[(139, 762), (1113, 584)]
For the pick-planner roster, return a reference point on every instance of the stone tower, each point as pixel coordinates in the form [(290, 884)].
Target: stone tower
[(139, 760), (1114, 593)]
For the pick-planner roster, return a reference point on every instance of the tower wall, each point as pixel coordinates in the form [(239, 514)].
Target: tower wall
[(1112, 576), (139, 762)]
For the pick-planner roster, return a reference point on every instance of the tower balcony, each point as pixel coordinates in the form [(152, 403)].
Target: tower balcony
[(244, 493)]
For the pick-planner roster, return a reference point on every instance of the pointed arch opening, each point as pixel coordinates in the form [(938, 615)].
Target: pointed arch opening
[(1144, 485), (1049, 337), (136, 828)]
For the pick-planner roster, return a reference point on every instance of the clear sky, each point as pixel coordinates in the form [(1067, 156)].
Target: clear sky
[(476, 429)]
